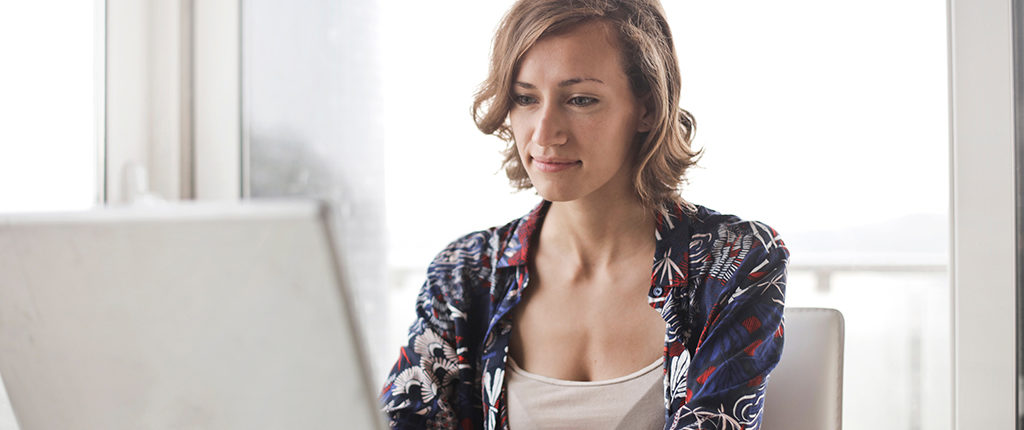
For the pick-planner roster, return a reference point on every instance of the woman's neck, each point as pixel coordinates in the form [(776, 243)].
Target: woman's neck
[(595, 233)]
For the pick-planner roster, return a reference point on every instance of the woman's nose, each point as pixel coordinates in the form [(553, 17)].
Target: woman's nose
[(550, 129)]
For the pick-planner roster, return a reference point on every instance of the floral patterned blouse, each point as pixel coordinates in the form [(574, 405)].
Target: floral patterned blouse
[(719, 283)]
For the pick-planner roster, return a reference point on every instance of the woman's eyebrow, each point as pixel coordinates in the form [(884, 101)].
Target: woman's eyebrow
[(574, 81), (565, 83)]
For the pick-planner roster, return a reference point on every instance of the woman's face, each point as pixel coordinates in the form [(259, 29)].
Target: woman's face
[(574, 116)]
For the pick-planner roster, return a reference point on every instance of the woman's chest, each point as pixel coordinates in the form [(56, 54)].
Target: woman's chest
[(586, 329)]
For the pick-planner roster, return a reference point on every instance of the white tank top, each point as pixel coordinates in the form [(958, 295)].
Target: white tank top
[(634, 401)]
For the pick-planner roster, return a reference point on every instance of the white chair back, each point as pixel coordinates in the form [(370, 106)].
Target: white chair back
[(805, 391)]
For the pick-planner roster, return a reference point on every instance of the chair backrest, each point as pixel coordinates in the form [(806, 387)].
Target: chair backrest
[(805, 391)]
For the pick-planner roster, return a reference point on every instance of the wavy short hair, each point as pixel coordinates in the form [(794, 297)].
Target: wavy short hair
[(664, 153)]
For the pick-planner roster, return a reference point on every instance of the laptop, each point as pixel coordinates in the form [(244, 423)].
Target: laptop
[(180, 316)]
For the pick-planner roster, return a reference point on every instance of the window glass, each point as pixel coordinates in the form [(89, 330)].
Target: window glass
[(48, 144), (313, 122)]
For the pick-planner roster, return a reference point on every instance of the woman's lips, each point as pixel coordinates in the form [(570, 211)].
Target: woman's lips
[(552, 165)]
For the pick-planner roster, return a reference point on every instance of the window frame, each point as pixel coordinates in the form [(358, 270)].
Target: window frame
[(175, 111)]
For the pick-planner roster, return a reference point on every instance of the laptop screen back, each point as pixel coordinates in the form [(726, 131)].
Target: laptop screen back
[(181, 316)]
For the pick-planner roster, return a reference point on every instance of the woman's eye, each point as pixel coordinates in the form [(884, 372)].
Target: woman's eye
[(523, 100), (582, 101)]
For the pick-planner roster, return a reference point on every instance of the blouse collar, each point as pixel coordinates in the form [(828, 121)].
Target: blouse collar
[(671, 252)]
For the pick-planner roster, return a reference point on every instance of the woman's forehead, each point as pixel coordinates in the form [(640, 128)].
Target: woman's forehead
[(590, 49)]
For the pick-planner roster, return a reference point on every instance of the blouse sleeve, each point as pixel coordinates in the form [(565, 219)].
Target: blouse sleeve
[(739, 344), (418, 392), (431, 383)]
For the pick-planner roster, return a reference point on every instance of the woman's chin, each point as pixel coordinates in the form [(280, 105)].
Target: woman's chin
[(556, 194)]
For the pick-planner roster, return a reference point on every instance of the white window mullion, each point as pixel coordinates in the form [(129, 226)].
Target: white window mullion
[(1018, 100), (983, 208), (100, 97), (217, 100), (173, 109), (126, 94), (146, 110)]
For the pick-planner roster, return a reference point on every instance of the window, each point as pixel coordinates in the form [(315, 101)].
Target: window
[(827, 121), (312, 110), (52, 106)]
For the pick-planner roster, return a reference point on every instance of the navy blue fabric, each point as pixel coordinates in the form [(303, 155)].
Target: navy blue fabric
[(718, 281)]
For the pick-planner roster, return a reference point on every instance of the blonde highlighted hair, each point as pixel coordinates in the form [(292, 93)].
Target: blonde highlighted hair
[(664, 153)]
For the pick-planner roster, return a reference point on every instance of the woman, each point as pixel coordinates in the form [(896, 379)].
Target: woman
[(559, 319)]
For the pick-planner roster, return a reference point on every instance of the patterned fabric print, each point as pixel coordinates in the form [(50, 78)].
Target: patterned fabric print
[(718, 282), (740, 293)]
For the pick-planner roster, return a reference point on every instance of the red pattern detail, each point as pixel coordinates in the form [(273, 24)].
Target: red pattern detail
[(756, 381), (679, 280), (753, 347), (676, 349), (707, 374), (778, 333), (525, 233), (751, 324)]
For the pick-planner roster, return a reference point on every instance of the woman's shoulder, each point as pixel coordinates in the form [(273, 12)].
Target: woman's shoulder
[(476, 253), (724, 245), (737, 262), (721, 229)]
